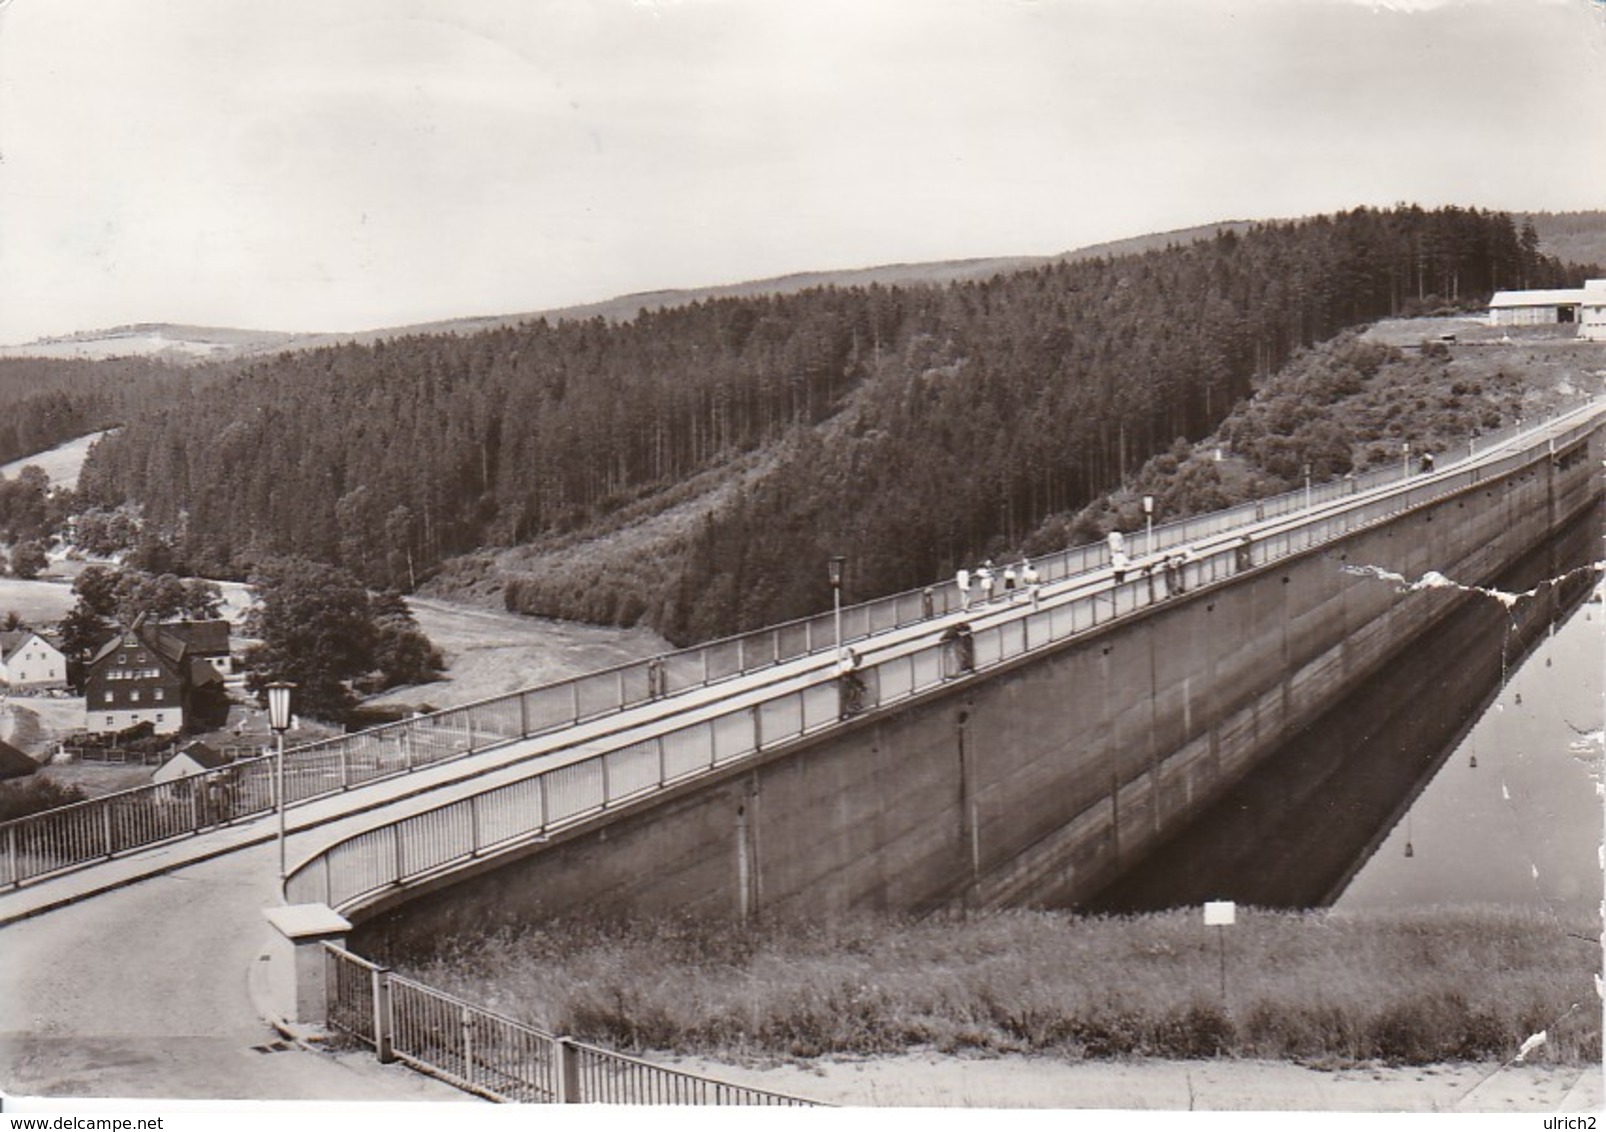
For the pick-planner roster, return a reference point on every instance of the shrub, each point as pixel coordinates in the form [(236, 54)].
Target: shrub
[(34, 795)]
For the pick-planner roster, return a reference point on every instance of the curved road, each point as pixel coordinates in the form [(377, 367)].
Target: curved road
[(145, 991)]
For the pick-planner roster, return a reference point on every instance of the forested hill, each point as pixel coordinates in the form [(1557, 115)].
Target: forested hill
[(909, 428), (44, 402)]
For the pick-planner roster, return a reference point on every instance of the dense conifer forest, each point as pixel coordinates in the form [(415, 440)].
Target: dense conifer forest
[(46, 401), (910, 428)]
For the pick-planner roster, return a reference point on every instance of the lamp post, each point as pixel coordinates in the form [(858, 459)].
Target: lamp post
[(279, 720), (834, 565)]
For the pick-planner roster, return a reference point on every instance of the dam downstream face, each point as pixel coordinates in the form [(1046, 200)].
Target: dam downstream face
[(1464, 772)]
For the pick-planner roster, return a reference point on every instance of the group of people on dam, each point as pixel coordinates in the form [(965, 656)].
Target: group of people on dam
[(1013, 581)]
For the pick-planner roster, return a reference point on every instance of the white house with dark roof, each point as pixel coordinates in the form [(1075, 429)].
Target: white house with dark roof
[(29, 660), (151, 674)]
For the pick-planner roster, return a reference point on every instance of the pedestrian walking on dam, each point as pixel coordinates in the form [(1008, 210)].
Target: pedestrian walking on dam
[(1029, 579), (985, 575), (962, 581), (1009, 583)]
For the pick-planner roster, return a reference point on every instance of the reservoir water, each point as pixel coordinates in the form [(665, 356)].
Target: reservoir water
[(1465, 772)]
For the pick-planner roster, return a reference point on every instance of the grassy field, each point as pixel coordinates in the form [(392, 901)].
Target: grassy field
[(1431, 986), (41, 601)]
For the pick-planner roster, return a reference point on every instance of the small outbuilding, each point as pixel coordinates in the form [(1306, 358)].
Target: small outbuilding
[(190, 759)]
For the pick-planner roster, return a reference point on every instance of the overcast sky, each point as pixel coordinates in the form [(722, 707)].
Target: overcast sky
[(349, 164)]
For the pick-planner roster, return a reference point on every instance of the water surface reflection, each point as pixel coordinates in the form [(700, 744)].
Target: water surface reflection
[(1480, 748)]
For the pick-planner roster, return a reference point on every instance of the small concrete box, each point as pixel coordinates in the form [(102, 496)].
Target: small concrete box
[(296, 959)]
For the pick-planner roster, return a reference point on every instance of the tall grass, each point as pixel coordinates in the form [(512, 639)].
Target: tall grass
[(1446, 985)]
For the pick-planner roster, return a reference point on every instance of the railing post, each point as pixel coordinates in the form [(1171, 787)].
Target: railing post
[(574, 699), (396, 838), (384, 1025), (474, 824), (659, 740), (345, 766), (541, 794), (16, 865), (524, 715), (106, 825), (568, 1058), (467, 1021), (607, 794), (758, 728)]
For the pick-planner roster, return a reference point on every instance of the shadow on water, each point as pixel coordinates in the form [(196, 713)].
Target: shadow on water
[(1295, 831)]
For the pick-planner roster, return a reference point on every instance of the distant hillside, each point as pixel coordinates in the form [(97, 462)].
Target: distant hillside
[(163, 341), (177, 343), (1574, 237)]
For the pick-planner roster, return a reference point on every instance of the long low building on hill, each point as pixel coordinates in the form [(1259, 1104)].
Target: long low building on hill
[(1583, 306)]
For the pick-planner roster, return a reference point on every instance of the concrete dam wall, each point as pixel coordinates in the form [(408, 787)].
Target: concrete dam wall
[(1035, 783)]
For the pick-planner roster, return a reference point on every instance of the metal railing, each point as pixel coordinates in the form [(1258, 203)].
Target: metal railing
[(498, 1057), (93, 830), (346, 872)]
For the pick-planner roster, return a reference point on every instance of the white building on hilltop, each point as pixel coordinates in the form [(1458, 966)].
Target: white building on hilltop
[(1592, 312), (1583, 306)]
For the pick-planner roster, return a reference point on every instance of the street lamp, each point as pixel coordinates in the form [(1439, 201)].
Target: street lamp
[(279, 720), (835, 565)]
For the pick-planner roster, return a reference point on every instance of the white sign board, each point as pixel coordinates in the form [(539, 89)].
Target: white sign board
[(1220, 912)]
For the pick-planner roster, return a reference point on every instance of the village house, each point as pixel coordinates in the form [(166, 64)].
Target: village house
[(152, 674), (30, 660)]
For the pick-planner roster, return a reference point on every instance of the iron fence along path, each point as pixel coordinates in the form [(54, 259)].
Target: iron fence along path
[(498, 1057)]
